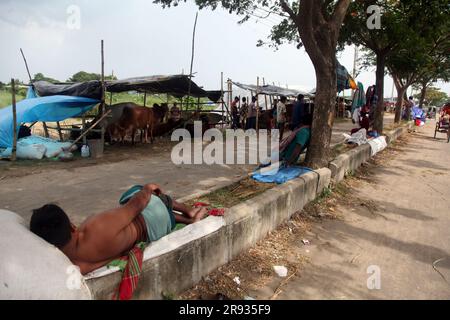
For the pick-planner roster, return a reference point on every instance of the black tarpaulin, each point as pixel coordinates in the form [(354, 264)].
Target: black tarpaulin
[(174, 85), (271, 90), (89, 89)]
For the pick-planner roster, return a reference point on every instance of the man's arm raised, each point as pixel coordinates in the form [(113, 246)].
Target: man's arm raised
[(139, 202), (119, 218)]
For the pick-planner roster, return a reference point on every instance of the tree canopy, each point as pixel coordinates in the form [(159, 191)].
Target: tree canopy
[(83, 76), (434, 97), (41, 77)]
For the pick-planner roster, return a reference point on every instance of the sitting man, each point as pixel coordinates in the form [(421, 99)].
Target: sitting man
[(145, 215)]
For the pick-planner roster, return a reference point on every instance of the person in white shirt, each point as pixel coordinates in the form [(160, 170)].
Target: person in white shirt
[(281, 116)]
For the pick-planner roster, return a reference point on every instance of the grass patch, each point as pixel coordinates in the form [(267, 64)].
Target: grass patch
[(234, 194), (6, 98)]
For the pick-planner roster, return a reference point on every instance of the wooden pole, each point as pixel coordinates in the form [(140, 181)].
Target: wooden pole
[(26, 64), (257, 104), (14, 148), (265, 96), (102, 105), (192, 57), (83, 121), (110, 98), (83, 135), (58, 126), (145, 99), (221, 97), (31, 81)]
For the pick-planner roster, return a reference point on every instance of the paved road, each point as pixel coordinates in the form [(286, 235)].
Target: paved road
[(410, 231)]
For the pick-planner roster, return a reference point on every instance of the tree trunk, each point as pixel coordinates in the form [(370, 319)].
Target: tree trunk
[(319, 35), (423, 94), (399, 105), (324, 102), (379, 110), (401, 93)]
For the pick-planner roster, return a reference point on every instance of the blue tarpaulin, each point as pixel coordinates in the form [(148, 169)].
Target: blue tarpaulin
[(281, 175), (52, 108)]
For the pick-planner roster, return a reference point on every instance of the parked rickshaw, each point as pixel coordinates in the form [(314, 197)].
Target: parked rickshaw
[(443, 123)]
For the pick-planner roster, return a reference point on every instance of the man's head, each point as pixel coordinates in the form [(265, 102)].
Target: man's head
[(254, 99), (283, 99), (244, 99), (52, 224), (411, 98), (236, 99), (300, 97)]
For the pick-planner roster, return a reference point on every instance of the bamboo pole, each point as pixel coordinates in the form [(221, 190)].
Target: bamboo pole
[(192, 57), (102, 105), (58, 126), (83, 121), (14, 148), (83, 135), (221, 96), (265, 96), (44, 124), (257, 104)]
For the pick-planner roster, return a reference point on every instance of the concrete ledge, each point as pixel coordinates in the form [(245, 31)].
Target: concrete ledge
[(348, 162), (178, 261), (353, 159), (394, 134)]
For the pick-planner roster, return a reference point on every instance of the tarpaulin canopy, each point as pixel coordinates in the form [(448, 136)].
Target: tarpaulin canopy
[(175, 85), (271, 90), (343, 79), (89, 89), (52, 108)]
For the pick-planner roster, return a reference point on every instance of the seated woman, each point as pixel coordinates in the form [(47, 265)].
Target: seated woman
[(145, 215), (293, 146), (362, 118)]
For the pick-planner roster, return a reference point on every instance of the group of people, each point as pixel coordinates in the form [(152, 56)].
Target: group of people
[(363, 109), (244, 115)]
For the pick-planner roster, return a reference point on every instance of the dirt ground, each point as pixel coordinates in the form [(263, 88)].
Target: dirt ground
[(392, 216), (118, 153)]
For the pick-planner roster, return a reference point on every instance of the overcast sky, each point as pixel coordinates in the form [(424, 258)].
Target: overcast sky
[(141, 38)]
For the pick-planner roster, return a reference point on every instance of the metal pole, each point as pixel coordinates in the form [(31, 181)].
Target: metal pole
[(355, 61)]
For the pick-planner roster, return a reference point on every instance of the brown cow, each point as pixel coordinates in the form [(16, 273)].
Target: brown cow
[(135, 117)]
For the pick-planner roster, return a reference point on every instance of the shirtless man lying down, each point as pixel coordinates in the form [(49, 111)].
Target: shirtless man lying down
[(145, 215)]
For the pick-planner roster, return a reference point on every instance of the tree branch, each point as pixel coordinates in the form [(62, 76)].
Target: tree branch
[(338, 16)]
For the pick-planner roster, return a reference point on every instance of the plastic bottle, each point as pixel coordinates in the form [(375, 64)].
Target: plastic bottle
[(85, 151)]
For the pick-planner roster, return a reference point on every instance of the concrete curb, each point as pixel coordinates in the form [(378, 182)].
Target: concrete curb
[(178, 261), (348, 162)]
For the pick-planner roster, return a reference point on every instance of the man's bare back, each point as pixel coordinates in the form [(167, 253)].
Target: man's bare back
[(108, 235)]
